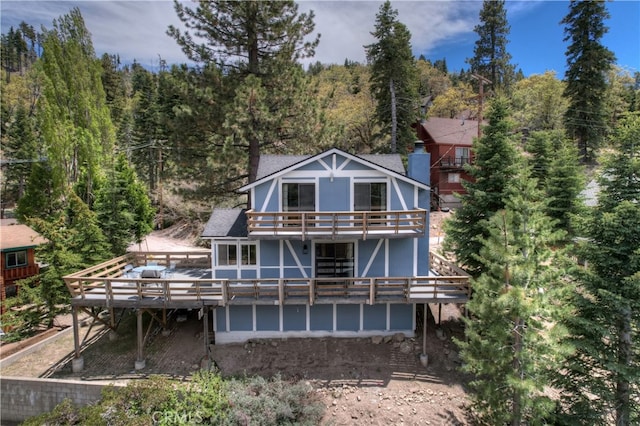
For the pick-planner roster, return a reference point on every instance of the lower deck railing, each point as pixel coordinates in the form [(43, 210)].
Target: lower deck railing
[(107, 285)]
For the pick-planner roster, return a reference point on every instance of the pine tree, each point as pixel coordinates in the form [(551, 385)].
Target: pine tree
[(490, 58), (264, 39), (512, 342), (588, 62), (602, 380), (393, 77), (495, 163), (123, 207)]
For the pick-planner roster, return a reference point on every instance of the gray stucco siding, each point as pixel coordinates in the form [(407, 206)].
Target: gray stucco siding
[(240, 318), (248, 274), (267, 318), (406, 195), (321, 317), (227, 273), (374, 317), (348, 317), (401, 316), (294, 317)]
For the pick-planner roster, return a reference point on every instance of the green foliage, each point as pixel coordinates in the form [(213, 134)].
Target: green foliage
[(490, 57), (393, 78), (259, 401), (538, 104), (205, 399), (588, 62), (512, 343), (75, 120), (496, 163), (123, 207), (604, 328)]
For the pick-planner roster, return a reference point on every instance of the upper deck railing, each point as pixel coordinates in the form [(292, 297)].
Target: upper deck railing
[(335, 225)]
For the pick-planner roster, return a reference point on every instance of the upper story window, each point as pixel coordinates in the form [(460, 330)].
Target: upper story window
[(453, 177), (298, 197), (463, 156), (15, 259), (370, 196)]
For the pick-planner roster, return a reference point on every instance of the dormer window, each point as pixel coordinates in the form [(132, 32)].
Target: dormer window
[(298, 197)]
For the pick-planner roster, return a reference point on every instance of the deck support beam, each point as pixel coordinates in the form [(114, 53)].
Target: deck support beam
[(140, 362), (77, 364), (424, 358), (205, 325)]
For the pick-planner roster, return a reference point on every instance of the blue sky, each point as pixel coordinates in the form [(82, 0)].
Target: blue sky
[(440, 29)]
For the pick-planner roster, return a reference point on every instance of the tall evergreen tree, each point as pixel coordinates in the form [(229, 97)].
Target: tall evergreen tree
[(123, 207), (588, 62), (264, 39), (495, 163), (601, 382), (512, 344), (490, 58), (393, 77)]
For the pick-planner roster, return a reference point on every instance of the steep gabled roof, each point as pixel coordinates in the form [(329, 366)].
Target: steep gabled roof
[(451, 131), (273, 166), (226, 223), (19, 237)]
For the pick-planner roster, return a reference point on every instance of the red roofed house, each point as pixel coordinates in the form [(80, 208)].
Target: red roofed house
[(17, 255), (449, 141)]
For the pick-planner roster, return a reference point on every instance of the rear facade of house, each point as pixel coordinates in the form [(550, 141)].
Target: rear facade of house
[(346, 222)]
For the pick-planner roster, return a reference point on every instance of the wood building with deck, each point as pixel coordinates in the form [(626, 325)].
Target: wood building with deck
[(333, 245)]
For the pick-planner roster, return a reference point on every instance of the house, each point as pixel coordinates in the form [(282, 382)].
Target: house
[(17, 260), (332, 244), (449, 141), (339, 219)]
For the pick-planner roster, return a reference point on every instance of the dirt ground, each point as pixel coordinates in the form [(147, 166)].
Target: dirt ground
[(368, 381)]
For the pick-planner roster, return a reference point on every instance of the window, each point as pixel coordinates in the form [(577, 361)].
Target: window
[(228, 254), (453, 177), (298, 197), (370, 196), (463, 156), (15, 259)]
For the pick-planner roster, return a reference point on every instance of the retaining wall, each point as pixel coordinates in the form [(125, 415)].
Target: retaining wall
[(21, 397)]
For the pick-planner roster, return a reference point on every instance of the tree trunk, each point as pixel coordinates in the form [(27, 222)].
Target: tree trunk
[(394, 117), (517, 368), (625, 355)]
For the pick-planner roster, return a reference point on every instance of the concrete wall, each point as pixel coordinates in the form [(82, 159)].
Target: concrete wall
[(22, 398)]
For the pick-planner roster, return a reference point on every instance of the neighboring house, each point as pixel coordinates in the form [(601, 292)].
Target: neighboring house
[(449, 141), (345, 222), (17, 247)]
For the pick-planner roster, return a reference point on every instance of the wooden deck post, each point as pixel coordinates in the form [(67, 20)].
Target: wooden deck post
[(77, 364), (205, 325), (140, 362)]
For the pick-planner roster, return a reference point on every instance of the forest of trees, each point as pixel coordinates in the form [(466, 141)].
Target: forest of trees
[(97, 153)]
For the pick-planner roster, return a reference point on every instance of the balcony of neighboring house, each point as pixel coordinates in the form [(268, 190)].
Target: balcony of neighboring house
[(309, 225), (453, 163)]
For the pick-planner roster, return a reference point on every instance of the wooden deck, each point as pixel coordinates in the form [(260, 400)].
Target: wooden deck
[(191, 286)]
